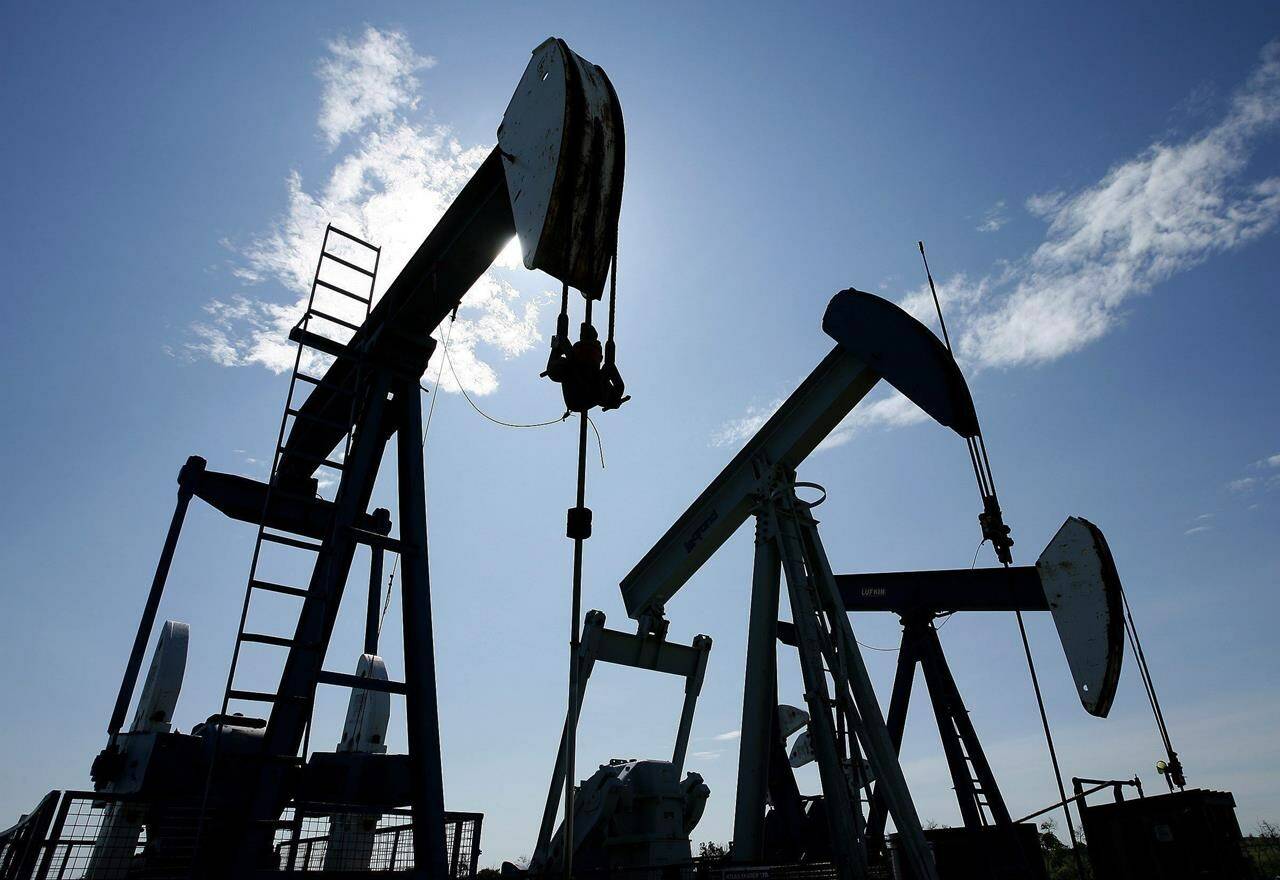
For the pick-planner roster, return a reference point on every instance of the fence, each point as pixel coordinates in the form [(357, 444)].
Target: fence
[(331, 838), (20, 845), (81, 835)]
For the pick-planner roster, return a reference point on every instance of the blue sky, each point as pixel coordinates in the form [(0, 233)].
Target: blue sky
[(1099, 189)]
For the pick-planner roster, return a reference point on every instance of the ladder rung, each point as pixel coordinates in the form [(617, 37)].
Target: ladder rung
[(277, 588), (336, 289), (291, 542), (343, 679), (325, 316), (321, 383), (314, 459), (346, 234), (254, 696), (348, 264), (299, 414), (264, 639), (331, 347), (373, 539)]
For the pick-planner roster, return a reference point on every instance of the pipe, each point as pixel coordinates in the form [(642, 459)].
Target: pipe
[(187, 478)]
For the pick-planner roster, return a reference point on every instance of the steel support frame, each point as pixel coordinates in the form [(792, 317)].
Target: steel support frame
[(788, 544), (967, 763), (391, 405), (599, 644)]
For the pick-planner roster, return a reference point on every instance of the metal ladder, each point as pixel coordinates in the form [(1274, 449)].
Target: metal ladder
[(308, 339), (820, 659)]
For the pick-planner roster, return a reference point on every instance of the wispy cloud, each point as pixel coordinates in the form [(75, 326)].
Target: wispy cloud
[(390, 187), (1195, 530), (728, 735), (1149, 218), (1160, 213), (368, 80), (1268, 480), (1244, 484), (995, 218)]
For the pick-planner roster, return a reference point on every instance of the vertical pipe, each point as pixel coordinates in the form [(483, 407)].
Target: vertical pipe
[(430, 857), (372, 611), (187, 478), (571, 741), (759, 699)]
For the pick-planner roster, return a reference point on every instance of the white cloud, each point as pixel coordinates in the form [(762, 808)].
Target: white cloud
[(390, 187), (707, 756), (892, 411), (1158, 214), (1162, 212), (728, 735), (994, 219), (367, 81), (739, 430), (1271, 461), (1195, 530)]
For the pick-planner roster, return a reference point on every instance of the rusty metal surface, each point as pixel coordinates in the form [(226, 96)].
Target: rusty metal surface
[(563, 151), (1083, 588)]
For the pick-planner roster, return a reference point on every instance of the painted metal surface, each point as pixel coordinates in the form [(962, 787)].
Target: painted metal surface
[(562, 147), (600, 644), (791, 719), (873, 335), (802, 751), (1083, 590), (164, 679), (812, 411), (905, 353), (368, 711)]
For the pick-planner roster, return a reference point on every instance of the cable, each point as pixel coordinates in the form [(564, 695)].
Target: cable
[(994, 528), (461, 388), (386, 602), (1174, 774), (440, 372), (599, 442)]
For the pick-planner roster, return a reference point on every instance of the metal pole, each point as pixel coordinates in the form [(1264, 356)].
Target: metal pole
[(187, 478), (579, 532), (541, 850), (900, 697), (692, 687), (430, 852), (372, 612), (759, 698)]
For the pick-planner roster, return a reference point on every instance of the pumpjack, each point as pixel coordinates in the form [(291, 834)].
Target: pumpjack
[(554, 181)]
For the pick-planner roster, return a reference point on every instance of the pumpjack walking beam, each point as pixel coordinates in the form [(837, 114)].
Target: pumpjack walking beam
[(875, 339)]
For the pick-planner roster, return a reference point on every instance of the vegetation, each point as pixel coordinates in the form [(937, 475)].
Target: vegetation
[(1058, 859)]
